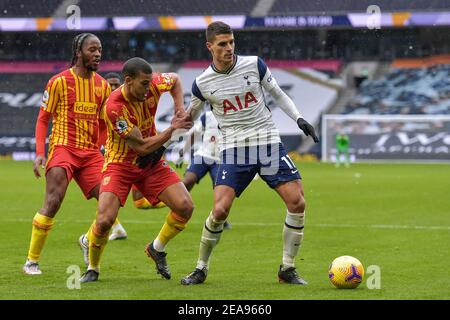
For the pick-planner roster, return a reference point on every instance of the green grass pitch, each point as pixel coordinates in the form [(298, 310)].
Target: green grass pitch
[(395, 216)]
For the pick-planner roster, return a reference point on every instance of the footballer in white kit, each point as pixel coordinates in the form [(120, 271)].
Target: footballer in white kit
[(212, 137), (233, 86), (207, 157), (251, 142)]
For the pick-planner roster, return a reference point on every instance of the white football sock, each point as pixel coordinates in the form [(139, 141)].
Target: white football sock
[(212, 231), (292, 237), (158, 245)]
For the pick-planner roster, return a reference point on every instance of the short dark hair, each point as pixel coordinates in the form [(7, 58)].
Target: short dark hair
[(112, 75), (132, 67), (215, 28)]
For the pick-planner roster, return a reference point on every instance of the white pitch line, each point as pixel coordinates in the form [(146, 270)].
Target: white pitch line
[(382, 226), (261, 224)]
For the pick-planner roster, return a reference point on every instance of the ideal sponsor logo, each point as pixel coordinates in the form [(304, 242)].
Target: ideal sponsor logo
[(85, 107)]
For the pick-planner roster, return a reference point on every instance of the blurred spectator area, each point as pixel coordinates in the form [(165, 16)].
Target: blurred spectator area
[(411, 86), (181, 46), (176, 47), (28, 8)]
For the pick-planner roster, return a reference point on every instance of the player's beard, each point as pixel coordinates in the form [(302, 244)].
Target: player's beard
[(141, 98), (87, 65)]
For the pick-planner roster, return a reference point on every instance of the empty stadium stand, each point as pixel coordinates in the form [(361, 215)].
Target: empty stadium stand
[(28, 8), (419, 90)]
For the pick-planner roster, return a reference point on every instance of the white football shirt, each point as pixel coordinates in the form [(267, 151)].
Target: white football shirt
[(237, 100)]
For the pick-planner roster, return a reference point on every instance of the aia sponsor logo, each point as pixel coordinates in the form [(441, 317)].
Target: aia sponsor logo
[(239, 103)]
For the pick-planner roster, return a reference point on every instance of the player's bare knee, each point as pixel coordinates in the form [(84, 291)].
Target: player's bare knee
[(220, 212), (184, 207), (105, 222), (298, 205), (106, 215), (188, 208)]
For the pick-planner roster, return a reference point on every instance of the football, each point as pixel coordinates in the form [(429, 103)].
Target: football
[(346, 272)]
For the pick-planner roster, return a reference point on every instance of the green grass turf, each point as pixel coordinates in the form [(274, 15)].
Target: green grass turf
[(396, 216)]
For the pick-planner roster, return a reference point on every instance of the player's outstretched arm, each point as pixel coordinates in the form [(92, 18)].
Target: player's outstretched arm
[(177, 94), (287, 105), (145, 146), (154, 157), (151, 149), (283, 101)]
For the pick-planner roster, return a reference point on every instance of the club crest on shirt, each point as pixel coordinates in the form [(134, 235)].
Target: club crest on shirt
[(98, 91), (106, 180)]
